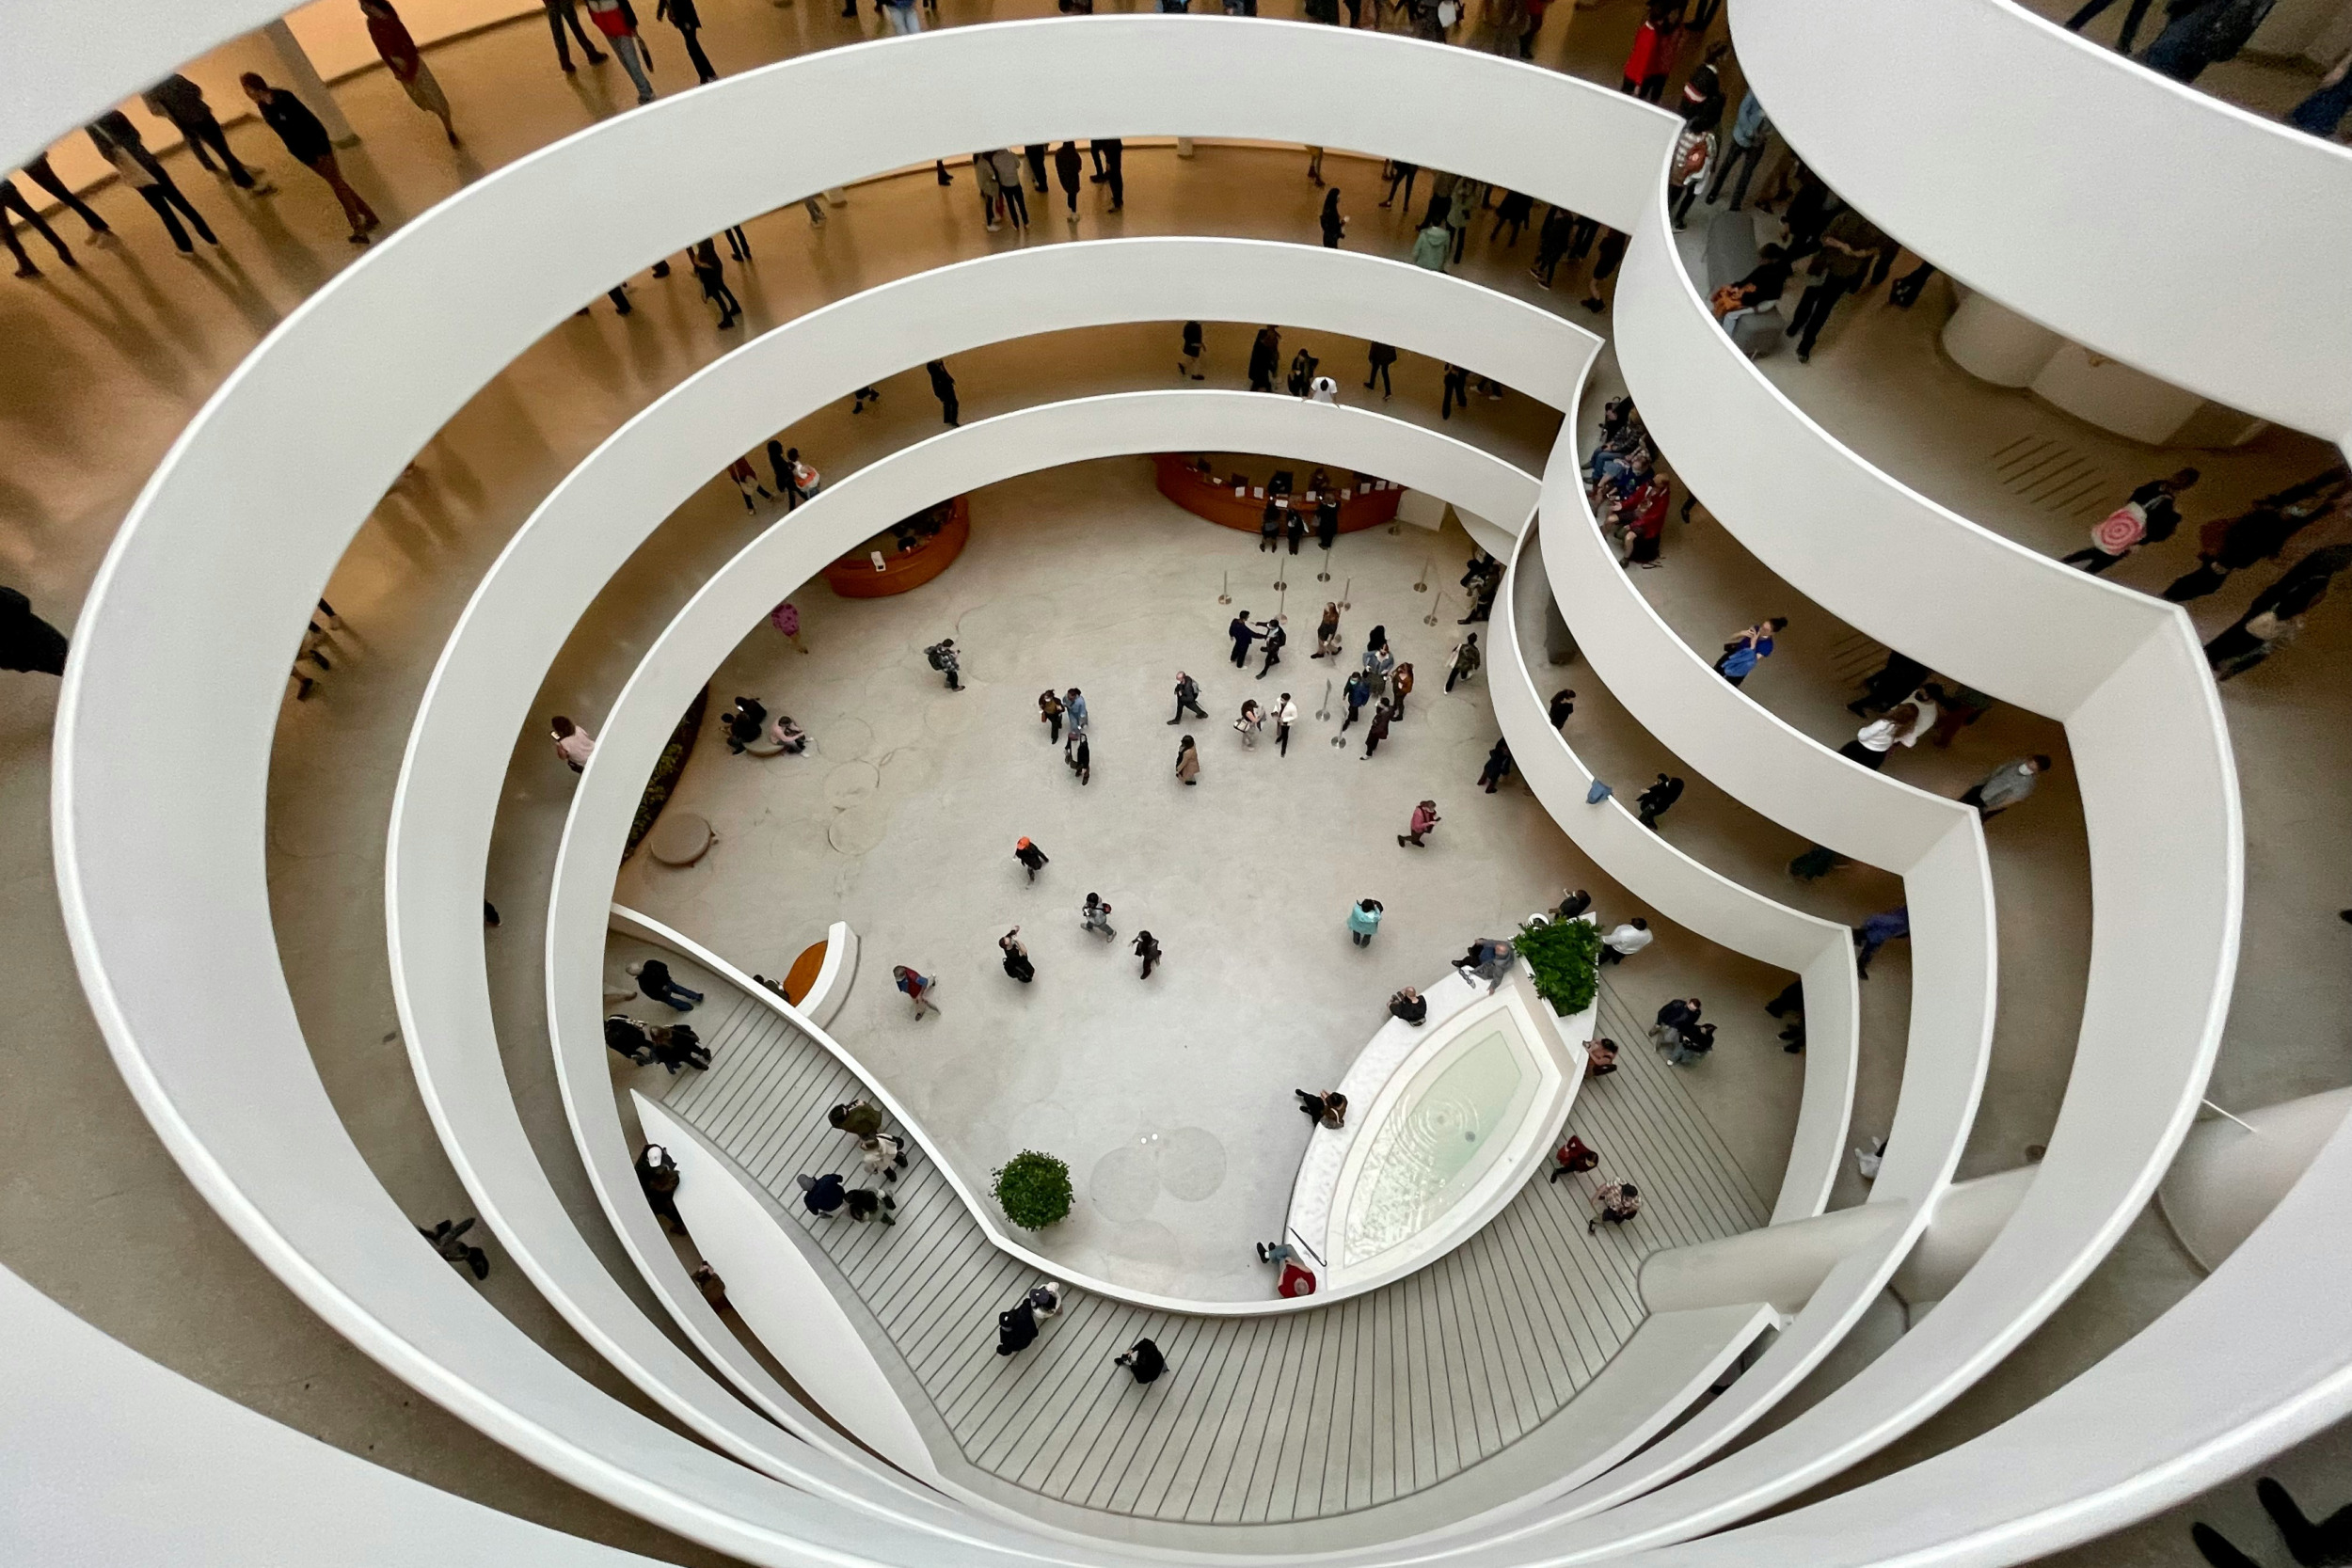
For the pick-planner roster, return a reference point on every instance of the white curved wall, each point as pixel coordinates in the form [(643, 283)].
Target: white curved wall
[(1689, 893), (160, 860), (2161, 225)]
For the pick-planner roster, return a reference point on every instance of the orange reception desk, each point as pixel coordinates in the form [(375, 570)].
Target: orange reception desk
[(907, 557), (1364, 502)]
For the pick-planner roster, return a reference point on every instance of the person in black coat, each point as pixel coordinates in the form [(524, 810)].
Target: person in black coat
[(823, 1195), (306, 141), (1016, 1328), (657, 1176), (1242, 634), (943, 389), (1068, 167), (27, 642), (1657, 799), (1143, 1362), (1265, 355)]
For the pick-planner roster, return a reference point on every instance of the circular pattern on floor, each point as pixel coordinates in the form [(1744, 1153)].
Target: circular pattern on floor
[(1192, 1164), (846, 737), (1125, 1183), (858, 829), (851, 783)]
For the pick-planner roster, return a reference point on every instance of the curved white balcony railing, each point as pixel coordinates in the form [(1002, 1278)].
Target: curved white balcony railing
[(2160, 226), (1688, 892), (161, 858)]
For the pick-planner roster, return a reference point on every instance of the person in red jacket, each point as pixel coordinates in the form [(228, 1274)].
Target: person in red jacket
[(618, 24), (398, 47), (1652, 57)]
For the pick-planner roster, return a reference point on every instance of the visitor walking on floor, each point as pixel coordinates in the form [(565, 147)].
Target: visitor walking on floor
[(1563, 705), (1357, 692), (1006, 163), (1382, 356), (2228, 544), (1285, 714), (1621, 942), (1247, 726), (1454, 380), (918, 989), (1143, 1361), (181, 102), (712, 274), (1188, 696), (795, 480), (397, 47), (1188, 760), (117, 141), (943, 389), (1400, 688), (1049, 712), (1333, 224), (1265, 355), (572, 743), (653, 979), (1363, 921), (1328, 633), (1574, 1158), (2149, 516), (1851, 245), (1094, 915), (1750, 133), (1464, 662), (1619, 1202), (1189, 364), (1275, 637), (14, 201), (1417, 829), (1876, 932), (657, 1177), (1377, 732), (563, 13), (1074, 703), (1016, 1326), (1499, 765), (618, 24), (747, 480), (1016, 957), (1658, 800), (1748, 649), (682, 15), (860, 1117), (39, 171), (1032, 859), (1147, 948), (1078, 755), (2005, 786), (944, 658), (1431, 246), (1067, 169)]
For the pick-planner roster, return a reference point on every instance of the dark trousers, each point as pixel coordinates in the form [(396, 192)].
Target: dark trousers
[(1282, 739), (1380, 374), (1016, 204), (2091, 559), (1035, 152), (1354, 710), (1813, 310), (38, 169), (205, 132), (1184, 702), (1241, 653), (165, 197), (1678, 204), (716, 290), (13, 199), (1454, 392), (1853, 751), (1117, 177), (1611, 956), (1747, 158), (562, 13), (1053, 733), (2083, 18), (1405, 178), (947, 407)]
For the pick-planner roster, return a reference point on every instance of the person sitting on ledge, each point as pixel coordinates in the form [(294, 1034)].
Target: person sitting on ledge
[(1600, 1057), (1410, 1006), (1573, 1158), (1330, 1108), (786, 737)]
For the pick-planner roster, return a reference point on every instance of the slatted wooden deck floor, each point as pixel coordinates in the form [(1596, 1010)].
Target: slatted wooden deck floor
[(1295, 1417)]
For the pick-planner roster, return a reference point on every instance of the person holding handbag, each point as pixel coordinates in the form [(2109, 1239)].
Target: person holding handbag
[(2148, 516)]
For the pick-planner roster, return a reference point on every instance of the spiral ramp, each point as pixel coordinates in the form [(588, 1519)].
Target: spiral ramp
[(161, 867)]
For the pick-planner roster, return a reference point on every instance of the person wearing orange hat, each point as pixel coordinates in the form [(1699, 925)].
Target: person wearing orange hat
[(1030, 856)]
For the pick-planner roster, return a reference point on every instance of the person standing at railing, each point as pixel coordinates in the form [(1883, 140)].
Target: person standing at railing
[(1749, 132), (181, 102), (1850, 246)]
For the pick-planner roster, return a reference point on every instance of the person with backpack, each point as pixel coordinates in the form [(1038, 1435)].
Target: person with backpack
[(2148, 516), (1188, 696), (941, 654), (1465, 661), (1095, 915)]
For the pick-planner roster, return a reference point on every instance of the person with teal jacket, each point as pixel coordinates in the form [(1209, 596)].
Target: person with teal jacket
[(1432, 246), (1363, 921)]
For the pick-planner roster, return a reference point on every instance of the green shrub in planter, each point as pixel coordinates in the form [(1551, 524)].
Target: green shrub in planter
[(1033, 1190), (1566, 956)]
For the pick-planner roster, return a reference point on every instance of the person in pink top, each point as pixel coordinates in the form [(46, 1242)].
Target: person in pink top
[(786, 617), (1424, 817)]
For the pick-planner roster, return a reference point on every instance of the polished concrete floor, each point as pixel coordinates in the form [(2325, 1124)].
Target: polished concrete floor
[(110, 363)]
